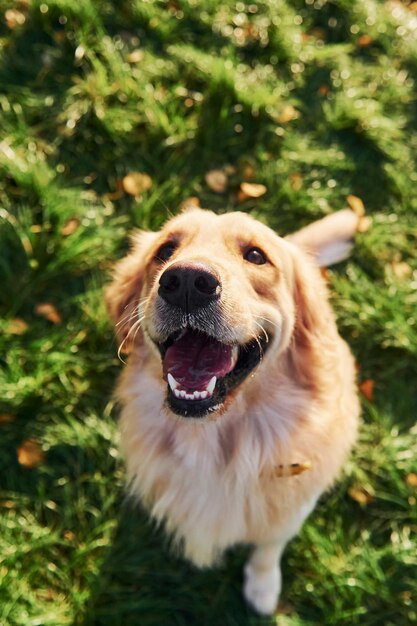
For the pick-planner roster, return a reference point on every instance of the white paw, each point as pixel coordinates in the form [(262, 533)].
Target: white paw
[(262, 588)]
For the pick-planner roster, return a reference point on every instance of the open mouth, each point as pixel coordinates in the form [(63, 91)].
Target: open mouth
[(200, 370)]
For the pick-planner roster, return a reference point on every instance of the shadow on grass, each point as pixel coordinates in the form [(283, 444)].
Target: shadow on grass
[(143, 582)]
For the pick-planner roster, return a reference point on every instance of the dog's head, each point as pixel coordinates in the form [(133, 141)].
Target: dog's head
[(212, 297)]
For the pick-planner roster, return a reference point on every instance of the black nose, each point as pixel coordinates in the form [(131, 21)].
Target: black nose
[(189, 287)]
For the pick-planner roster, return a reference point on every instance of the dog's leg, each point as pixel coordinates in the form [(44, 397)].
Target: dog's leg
[(262, 584)]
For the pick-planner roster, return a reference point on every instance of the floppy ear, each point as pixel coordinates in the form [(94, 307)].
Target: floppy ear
[(330, 239), (124, 292), (315, 333)]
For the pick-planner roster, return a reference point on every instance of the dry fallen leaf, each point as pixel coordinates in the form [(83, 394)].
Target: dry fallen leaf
[(411, 479), (356, 204), (135, 56), (69, 535), (401, 269), (30, 454), (17, 326), (365, 40), (49, 312), (70, 226), (360, 495), (7, 504), (296, 181), (367, 389), (318, 33), (115, 195), (287, 114), (252, 190), (217, 180), (189, 203), (135, 183), (284, 608), (7, 418), (248, 171), (14, 18)]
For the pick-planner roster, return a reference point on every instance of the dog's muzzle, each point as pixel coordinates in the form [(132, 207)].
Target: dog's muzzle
[(201, 365)]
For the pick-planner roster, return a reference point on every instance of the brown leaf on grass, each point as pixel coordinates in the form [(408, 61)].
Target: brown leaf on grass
[(69, 535), (7, 504), (401, 269), (356, 204), (411, 479), (70, 227), (115, 195), (287, 114), (252, 190), (367, 389), (296, 181), (30, 454), (365, 40), (284, 608), (49, 312), (17, 326), (135, 183), (60, 36), (7, 418), (248, 171), (14, 18), (217, 180), (189, 203), (135, 56), (318, 33), (360, 495)]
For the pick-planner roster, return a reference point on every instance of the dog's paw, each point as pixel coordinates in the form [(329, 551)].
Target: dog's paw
[(261, 589)]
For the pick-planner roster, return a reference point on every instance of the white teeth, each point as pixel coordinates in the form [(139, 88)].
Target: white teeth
[(235, 355), (172, 382), (194, 395), (210, 387)]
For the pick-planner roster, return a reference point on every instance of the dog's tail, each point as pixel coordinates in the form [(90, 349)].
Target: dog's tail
[(330, 239)]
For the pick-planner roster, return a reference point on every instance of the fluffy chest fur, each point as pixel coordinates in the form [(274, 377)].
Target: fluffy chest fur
[(213, 485)]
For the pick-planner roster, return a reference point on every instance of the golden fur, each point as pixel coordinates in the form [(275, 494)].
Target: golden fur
[(213, 482)]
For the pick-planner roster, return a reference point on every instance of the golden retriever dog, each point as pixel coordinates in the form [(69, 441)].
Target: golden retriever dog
[(238, 401)]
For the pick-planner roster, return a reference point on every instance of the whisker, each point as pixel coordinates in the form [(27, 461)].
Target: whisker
[(129, 315), (266, 319), (135, 327), (136, 304), (138, 327), (263, 330)]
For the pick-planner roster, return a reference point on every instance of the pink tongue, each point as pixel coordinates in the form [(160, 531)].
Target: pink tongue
[(195, 358)]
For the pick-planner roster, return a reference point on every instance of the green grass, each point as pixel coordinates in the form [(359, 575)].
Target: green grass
[(206, 87)]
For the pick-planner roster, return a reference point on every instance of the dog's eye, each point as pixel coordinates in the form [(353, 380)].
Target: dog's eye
[(166, 251), (255, 256)]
